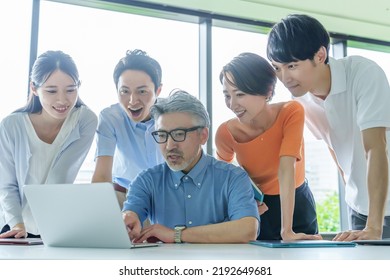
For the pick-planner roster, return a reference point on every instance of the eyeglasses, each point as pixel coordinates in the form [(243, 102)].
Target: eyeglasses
[(178, 135)]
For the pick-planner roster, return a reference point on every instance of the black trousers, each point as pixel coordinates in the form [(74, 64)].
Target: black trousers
[(358, 221), (29, 235), (304, 218)]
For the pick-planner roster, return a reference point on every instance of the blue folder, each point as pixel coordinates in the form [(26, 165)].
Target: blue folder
[(301, 243)]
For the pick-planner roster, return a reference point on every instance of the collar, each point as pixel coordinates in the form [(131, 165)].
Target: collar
[(196, 174), (148, 125), (337, 76)]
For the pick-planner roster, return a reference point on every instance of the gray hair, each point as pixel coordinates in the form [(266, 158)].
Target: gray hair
[(180, 101)]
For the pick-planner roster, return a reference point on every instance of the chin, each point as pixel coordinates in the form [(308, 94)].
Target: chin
[(177, 167), (174, 168), (298, 94), (60, 116), (138, 118)]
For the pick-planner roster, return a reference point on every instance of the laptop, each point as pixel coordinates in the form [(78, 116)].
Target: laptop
[(79, 215), (301, 243), (382, 242)]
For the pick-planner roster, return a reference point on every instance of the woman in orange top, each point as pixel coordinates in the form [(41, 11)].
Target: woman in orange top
[(267, 141)]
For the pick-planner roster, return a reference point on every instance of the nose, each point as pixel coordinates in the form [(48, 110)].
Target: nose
[(62, 96), (133, 99), (231, 103), (284, 76), (170, 143)]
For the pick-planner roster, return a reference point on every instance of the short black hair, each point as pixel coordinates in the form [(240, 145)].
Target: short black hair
[(250, 73), (141, 61), (296, 37)]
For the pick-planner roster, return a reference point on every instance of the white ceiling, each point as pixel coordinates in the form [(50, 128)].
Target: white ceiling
[(367, 19)]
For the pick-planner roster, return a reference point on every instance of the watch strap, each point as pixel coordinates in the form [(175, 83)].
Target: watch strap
[(178, 231)]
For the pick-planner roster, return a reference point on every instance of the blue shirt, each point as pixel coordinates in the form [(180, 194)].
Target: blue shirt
[(212, 192), (129, 143)]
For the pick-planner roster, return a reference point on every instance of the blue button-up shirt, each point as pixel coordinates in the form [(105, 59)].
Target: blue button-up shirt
[(129, 143), (212, 192)]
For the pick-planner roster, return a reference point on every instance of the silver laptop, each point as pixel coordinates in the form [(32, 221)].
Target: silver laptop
[(381, 242), (79, 215)]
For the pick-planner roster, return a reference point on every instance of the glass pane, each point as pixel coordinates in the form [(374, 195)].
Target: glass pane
[(15, 29), (98, 43), (15, 26)]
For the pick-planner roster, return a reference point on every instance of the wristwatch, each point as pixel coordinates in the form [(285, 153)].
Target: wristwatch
[(178, 231)]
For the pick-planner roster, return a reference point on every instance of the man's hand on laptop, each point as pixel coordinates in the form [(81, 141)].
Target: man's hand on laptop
[(155, 233), (132, 223), (18, 231)]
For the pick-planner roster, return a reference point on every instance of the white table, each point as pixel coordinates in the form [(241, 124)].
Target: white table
[(195, 252)]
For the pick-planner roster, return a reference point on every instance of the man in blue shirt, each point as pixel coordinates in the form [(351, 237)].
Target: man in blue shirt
[(124, 143), (192, 197)]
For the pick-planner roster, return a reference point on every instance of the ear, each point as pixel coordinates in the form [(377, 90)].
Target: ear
[(321, 55), (158, 91), (204, 135), (270, 94), (33, 89)]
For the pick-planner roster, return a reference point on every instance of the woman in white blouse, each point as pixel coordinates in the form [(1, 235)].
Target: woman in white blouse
[(46, 141)]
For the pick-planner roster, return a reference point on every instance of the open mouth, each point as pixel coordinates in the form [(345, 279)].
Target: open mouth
[(61, 109), (174, 157), (239, 114), (135, 113)]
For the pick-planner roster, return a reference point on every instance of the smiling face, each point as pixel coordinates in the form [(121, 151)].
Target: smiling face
[(58, 95), (181, 155), (303, 76), (298, 77), (136, 94), (245, 106)]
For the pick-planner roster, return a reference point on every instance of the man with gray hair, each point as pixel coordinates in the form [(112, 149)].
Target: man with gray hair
[(192, 197)]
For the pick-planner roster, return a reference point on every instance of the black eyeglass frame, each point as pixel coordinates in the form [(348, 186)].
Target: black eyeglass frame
[(169, 133)]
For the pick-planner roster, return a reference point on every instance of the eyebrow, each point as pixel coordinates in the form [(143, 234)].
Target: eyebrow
[(235, 90), (142, 87), (55, 86)]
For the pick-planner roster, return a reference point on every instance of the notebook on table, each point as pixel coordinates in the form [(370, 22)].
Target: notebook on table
[(258, 193), (301, 243), (79, 215), (21, 241)]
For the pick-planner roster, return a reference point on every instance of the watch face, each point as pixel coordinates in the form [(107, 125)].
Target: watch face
[(180, 227)]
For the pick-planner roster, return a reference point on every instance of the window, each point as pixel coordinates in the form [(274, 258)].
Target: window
[(97, 45), (14, 55)]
